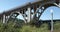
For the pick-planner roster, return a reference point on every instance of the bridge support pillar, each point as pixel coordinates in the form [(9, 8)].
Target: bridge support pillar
[(29, 14), (7, 18), (4, 18)]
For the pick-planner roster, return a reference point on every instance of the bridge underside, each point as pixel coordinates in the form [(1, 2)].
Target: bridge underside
[(37, 7)]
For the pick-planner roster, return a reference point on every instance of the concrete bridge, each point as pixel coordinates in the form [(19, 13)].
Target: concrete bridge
[(37, 7)]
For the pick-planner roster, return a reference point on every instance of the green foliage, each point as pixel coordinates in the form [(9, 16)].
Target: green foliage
[(35, 23), (11, 26), (20, 26), (57, 26), (28, 28)]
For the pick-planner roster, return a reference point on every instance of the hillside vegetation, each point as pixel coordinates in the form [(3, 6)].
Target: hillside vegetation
[(20, 26)]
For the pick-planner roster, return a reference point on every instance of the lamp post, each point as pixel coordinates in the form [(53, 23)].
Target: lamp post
[(51, 20)]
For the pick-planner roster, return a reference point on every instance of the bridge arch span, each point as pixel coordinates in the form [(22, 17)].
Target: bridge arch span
[(47, 5), (44, 6)]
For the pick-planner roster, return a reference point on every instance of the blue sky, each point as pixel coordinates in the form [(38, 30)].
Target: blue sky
[(47, 13), (9, 4)]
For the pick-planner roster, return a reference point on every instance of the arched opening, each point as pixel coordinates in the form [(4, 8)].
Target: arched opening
[(47, 15), (47, 5)]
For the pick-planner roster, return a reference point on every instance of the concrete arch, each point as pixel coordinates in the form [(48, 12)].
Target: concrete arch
[(49, 5), (15, 13), (46, 5)]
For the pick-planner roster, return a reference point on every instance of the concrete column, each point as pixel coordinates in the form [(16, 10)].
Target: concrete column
[(4, 18), (29, 14), (7, 19)]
